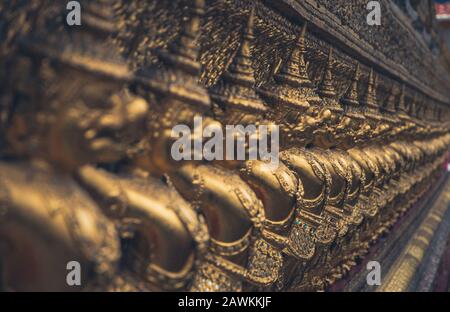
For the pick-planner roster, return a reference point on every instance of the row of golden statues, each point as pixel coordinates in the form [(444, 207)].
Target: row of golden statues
[(86, 172)]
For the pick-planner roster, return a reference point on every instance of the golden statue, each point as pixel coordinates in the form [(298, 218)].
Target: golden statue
[(87, 138)]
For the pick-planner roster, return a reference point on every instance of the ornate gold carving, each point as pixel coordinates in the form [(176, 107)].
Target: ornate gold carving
[(360, 143)]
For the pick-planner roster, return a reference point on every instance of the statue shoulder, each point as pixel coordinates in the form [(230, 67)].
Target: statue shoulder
[(58, 210)]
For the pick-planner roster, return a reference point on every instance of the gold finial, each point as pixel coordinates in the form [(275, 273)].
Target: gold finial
[(389, 104), (350, 97), (294, 71), (303, 67), (90, 48), (292, 86), (401, 107), (184, 51), (401, 100), (369, 98), (179, 76), (241, 67), (326, 88), (241, 73)]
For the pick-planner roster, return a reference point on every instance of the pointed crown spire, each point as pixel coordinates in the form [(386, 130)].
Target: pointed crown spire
[(350, 97), (389, 104), (295, 71), (401, 101), (401, 107), (179, 77), (291, 86), (240, 72), (241, 68), (184, 50), (369, 98), (326, 88), (90, 48)]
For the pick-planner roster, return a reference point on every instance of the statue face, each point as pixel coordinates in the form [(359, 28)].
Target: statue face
[(330, 131), (93, 120), (376, 129), (308, 126), (170, 121), (352, 132)]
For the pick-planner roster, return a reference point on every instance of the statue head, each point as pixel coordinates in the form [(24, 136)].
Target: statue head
[(175, 95), (71, 106)]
